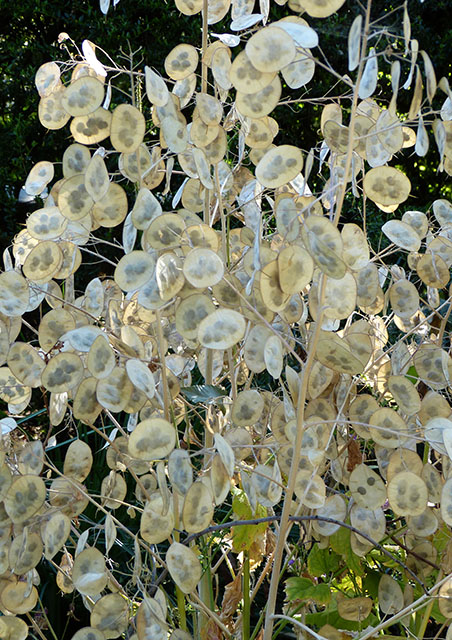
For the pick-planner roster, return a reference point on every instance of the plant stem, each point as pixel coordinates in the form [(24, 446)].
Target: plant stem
[(246, 597), (160, 341), (426, 615), (205, 28), (285, 525), (179, 594), (181, 609), (348, 158)]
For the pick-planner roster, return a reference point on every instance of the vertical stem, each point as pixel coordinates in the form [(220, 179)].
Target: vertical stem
[(222, 216), (205, 31), (232, 375), (161, 350), (208, 435), (284, 523), (132, 79), (181, 609), (348, 158), (206, 207), (205, 9), (246, 597), (179, 594), (205, 586), (426, 617)]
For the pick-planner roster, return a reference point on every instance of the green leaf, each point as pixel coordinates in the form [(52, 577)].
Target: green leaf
[(245, 535), (203, 392), (297, 586), (304, 589), (436, 613), (321, 562), (441, 538), (340, 543), (371, 582), (412, 375)]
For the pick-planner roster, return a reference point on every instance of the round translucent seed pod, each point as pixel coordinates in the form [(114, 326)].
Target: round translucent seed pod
[(184, 567), (157, 522), (47, 78), (110, 615), (270, 49), (127, 130), (221, 329), (89, 573), (181, 61), (24, 498), (407, 494), (152, 439), (17, 597), (367, 488), (63, 372), (25, 552), (83, 96), (12, 628), (386, 185), (92, 128), (78, 460), (197, 511)]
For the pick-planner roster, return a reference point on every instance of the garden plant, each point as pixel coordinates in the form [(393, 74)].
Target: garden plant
[(225, 365)]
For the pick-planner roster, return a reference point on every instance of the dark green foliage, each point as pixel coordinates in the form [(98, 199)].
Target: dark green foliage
[(31, 38)]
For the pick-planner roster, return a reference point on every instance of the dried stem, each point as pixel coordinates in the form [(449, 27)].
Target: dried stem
[(284, 526)]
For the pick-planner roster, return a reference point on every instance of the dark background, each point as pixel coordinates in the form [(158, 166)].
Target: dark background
[(29, 37)]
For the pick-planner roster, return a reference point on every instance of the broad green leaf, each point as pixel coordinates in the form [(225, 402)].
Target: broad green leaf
[(370, 583), (340, 543), (322, 562), (304, 589), (244, 535), (441, 538)]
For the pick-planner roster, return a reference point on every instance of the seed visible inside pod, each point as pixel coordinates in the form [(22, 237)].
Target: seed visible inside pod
[(127, 128), (270, 49), (407, 494), (181, 61), (386, 185), (152, 439), (247, 407), (184, 567), (83, 96), (93, 128), (221, 329), (279, 166), (203, 268), (367, 488), (110, 615), (24, 498)]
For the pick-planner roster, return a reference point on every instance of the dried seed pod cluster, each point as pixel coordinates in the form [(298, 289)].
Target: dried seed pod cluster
[(247, 272)]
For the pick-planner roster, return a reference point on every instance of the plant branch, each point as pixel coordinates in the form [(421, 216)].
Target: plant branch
[(307, 518)]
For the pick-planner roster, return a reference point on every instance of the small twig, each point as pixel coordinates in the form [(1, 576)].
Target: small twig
[(299, 624), (413, 553), (209, 613), (313, 518)]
